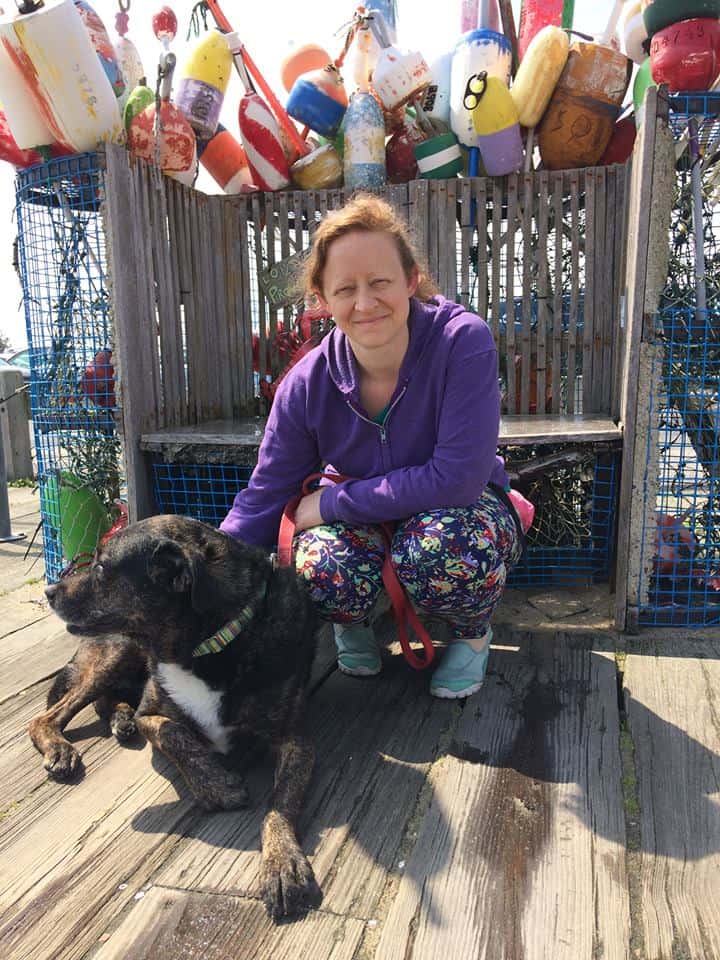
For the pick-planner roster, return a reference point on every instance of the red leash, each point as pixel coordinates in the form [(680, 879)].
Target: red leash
[(402, 607)]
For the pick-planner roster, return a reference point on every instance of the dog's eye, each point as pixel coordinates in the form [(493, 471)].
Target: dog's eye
[(98, 571)]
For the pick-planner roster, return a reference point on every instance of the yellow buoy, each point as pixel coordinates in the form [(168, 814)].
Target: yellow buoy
[(538, 74)]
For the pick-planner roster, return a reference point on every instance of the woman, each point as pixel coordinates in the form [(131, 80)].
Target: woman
[(402, 397)]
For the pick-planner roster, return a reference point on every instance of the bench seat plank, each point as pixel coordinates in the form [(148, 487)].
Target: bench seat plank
[(238, 440)]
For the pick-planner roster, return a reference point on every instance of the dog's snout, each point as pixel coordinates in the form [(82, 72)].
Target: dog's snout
[(50, 593)]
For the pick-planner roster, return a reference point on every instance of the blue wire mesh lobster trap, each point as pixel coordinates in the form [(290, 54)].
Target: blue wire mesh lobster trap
[(201, 490), (680, 550), (572, 537), (67, 311)]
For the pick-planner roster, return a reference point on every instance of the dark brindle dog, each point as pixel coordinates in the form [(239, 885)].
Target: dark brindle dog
[(215, 653)]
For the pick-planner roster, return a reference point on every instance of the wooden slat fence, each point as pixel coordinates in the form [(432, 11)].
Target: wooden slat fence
[(539, 255)]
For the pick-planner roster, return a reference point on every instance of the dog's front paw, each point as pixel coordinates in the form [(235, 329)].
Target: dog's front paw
[(223, 790), (62, 761), (288, 884), (122, 723)]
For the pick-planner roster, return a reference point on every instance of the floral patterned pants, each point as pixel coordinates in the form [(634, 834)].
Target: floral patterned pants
[(452, 562)]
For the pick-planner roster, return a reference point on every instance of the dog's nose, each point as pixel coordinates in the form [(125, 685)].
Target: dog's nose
[(50, 593)]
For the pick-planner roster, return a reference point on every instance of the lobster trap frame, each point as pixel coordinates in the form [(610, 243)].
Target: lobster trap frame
[(674, 573), (63, 268)]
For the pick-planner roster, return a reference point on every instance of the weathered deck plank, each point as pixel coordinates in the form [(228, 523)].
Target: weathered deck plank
[(170, 924), (671, 695), (493, 829), (374, 742), (521, 854), (33, 653), (66, 863)]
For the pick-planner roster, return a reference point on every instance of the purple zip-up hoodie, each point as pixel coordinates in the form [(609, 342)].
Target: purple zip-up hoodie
[(437, 447)]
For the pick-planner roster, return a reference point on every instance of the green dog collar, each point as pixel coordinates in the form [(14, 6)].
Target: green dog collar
[(232, 629)]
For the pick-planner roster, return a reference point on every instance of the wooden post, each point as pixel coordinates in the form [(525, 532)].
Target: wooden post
[(134, 325), (651, 195)]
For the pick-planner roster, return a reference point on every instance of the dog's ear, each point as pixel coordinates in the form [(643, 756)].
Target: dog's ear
[(170, 567)]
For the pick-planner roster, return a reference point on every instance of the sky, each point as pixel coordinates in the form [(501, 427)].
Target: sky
[(269, 31)]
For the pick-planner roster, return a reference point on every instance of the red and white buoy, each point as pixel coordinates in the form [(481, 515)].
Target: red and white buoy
[(261, 140)]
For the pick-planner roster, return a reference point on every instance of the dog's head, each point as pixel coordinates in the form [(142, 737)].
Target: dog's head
[(167, 571)]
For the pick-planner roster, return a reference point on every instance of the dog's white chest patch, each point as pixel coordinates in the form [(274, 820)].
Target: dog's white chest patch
[(196, 698)]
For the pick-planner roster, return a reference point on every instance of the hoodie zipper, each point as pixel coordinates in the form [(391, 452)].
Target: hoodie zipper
[(380, 426)]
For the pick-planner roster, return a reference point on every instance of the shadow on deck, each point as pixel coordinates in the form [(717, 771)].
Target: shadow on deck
[(564, 811)]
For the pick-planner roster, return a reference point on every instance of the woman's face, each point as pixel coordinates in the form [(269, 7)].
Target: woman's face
[(366, 289)]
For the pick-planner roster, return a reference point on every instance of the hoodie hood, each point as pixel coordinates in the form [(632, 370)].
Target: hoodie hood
[(426, 322)]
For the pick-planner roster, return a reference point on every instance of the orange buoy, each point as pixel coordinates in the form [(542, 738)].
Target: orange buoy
[(580, 118), (303, 59), (225, 161)]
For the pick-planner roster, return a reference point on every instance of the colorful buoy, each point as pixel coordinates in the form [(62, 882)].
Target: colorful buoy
[(130, 64), (659, 14), (579, 121), (176, 147), (621, 143), (62, 74), (261, 140), (495, 119), (98, 380), (538, 74), (480, 51), (225, 161), (29, 128), (643, 80), (320, 170), (686, 55), (633, 32), (164, 24), (140, 98), (302, 60), (103, 45), (398, 77), (364, 137), (363, 130), (203, 83), (400, 158), (436, 99), (319, 101), (536, 14), (439, 158), (76, 512)]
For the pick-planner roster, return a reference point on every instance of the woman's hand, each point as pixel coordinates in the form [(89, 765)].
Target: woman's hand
[(308, 512)]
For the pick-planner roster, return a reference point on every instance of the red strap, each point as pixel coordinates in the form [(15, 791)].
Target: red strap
[(286, 532), (403, 610), (402, 607)]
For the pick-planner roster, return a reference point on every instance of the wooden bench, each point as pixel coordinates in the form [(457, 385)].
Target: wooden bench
[(238, 441)]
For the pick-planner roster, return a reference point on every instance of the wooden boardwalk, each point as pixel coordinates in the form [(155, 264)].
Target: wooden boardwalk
[(569, 810)]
